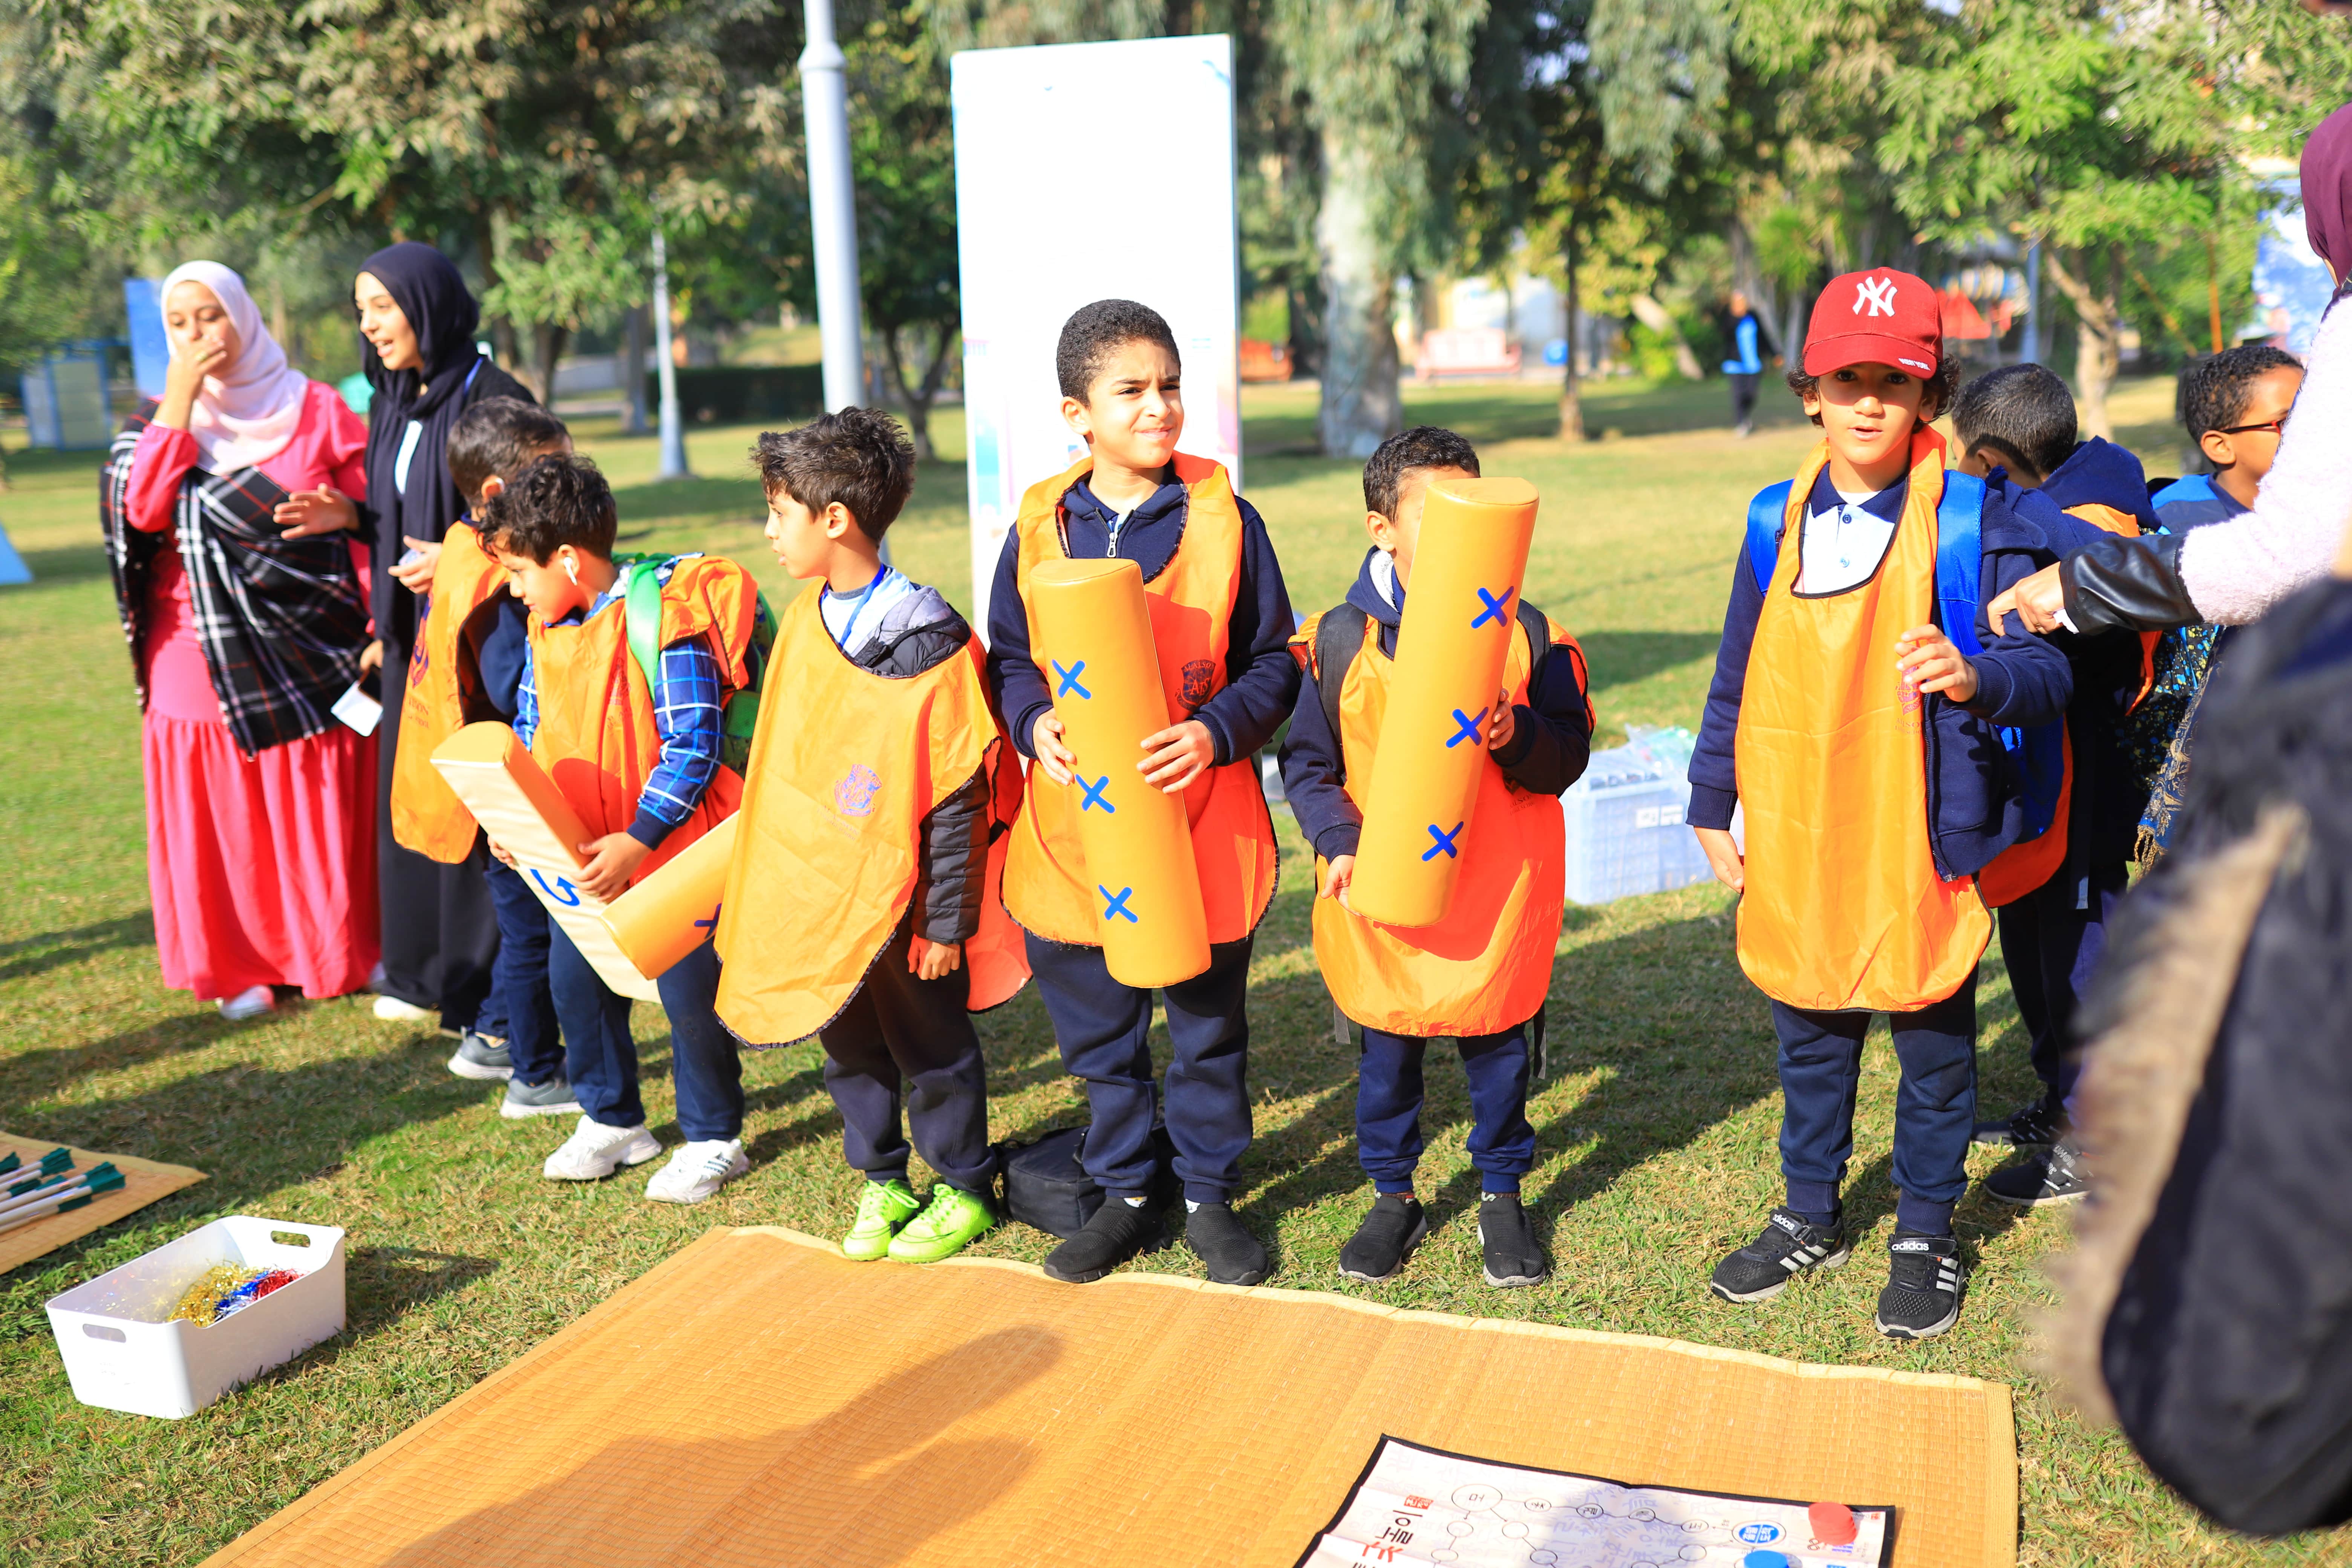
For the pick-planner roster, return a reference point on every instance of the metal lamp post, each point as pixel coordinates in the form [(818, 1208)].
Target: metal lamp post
[(673, 428), (832, 213)]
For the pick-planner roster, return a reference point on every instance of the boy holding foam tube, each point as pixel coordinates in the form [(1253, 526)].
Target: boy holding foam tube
[(1480, 975), (1225, 663)]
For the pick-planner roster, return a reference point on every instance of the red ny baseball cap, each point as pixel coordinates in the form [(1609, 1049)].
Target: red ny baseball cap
[(1881, 317)]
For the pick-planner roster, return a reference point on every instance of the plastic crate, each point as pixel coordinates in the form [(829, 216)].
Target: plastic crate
[(121, 1355), (1625, 833)]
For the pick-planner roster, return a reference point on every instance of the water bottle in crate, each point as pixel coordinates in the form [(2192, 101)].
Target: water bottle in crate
[(1624, 820)]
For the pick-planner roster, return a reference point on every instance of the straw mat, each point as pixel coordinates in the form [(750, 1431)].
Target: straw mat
[(757, 1399), (143, 1181)]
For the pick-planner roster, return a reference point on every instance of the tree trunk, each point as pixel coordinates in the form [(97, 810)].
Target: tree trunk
[(632, 373), (1749, 279), (1361, 405), (547, 347), (503, 346), (2098, 336), (1571, 400), (277, 318), (1660, 320), (918, 413)]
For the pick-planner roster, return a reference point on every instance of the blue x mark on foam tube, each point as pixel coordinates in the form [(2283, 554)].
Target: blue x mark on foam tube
[(1094, 793), (712, 923), (1070, 678), (1445, 842), (1469, 730), (1494, 610), (1115, 904)]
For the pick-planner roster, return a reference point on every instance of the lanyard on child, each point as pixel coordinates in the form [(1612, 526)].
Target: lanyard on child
[(864, 596)]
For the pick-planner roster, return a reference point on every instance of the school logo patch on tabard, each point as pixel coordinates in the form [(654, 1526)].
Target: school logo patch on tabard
[(854, 795), (1198, 675)]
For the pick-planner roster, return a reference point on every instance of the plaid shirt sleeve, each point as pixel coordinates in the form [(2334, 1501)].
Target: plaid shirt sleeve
[(525, 718), (687, 717)]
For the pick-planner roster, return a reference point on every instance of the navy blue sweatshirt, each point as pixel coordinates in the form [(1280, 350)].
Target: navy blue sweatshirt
[(2103, 817), (1974, 809), (1261, 677), (1549, 742)]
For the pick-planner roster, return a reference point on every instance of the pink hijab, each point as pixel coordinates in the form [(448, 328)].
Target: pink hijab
[(247, 413)]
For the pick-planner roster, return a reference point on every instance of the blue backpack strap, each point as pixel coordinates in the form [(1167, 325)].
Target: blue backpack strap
[(1766, 514), (1959, 559)]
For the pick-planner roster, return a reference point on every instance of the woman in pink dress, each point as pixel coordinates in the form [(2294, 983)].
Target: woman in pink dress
[(232, 531)]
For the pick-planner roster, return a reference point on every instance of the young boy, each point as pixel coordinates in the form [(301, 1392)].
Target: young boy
[(1479, 976), (1862, 743), (467, 667), (854, 927), (640, 764), (1225, 660), (2235, 407), (2020, 419)]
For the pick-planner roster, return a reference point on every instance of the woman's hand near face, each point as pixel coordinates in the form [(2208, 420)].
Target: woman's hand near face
[(324, 510), (184, 379)]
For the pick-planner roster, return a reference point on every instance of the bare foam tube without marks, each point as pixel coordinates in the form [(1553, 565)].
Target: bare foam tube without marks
[(1094, 642), (517, 805), (1459, 609), (676, 908)]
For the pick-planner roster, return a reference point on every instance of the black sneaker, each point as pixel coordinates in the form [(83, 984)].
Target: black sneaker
[(2035, 1126), (1786, 1247), (523, 1101), (1924, 1282), (1512, 1257), (1119, 1231), (2055, 1177), (480, 1057), (1218, 1238), (1386, 1238)]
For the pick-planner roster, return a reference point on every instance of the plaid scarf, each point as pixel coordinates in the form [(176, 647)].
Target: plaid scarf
[(282, 621)]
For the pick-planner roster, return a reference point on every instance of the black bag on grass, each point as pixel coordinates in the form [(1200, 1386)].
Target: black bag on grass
[(1047, 1187)]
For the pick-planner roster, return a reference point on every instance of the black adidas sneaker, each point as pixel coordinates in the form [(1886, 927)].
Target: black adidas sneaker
[(2035, 1126), (2056, 1176), (1924, 1282), (1788, 1246)]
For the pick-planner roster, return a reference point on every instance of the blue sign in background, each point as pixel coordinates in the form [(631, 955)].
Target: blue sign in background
[(151, 351)]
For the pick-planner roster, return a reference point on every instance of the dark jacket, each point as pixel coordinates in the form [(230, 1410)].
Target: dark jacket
[(1974, 807), (2228, 1350), (1261, 679), (920, 635), (1547, 751), (2109, 794)]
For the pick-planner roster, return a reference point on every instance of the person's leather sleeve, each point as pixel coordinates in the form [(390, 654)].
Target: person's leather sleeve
[(2127, 584)]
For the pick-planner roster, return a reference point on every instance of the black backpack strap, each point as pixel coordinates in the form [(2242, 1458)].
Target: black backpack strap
[(1538, 628), (1339, 638)]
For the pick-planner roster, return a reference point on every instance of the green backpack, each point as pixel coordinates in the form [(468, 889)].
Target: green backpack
[(641, 605)]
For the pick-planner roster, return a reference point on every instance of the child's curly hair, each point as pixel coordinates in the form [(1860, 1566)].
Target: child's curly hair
[(1941, 388), (549, 503)]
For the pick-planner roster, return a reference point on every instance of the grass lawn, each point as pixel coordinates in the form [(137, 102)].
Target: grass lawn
[(1656, 1129)]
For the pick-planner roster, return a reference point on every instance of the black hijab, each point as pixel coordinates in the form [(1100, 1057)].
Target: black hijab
[(427, 286)]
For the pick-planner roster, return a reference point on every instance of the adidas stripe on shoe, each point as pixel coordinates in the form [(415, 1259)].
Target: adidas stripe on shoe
[(1788, 1246)]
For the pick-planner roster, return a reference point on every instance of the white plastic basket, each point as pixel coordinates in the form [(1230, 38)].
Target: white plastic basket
[(121, 1354), (1625, 834)]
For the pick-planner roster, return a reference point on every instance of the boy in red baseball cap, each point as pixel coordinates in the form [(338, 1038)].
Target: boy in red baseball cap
[(1855, 709)]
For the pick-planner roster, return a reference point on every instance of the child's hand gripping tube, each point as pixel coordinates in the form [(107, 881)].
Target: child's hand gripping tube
[(1094, 637), (1459, 610), (675, 908)]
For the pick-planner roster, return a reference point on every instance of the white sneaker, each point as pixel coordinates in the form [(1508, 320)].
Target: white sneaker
[(393, 1010), (253, 1002), (697, 1171), (595, 1151)]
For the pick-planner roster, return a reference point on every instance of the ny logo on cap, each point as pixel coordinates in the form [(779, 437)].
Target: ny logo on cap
[(1877, 294)]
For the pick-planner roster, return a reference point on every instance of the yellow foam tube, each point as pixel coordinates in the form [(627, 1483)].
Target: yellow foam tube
[(517, 805), (1459, 612), (674, 911), (1094, 641)]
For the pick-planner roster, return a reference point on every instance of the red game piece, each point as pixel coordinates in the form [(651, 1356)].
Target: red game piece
[(1833, 1523)]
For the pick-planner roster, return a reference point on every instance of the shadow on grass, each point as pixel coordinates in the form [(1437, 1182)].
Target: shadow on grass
[(383, 1285), (71, 563), (39, 954)]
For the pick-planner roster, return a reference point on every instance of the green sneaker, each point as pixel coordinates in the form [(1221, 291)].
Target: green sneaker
[(885, 1207), (955, 1219)]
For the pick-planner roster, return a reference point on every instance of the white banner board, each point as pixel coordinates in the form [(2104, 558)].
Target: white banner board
[(1055, 208)]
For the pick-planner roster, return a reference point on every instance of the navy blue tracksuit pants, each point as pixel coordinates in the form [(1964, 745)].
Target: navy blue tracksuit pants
[(2053, 939), (903, 1045), (1103, 1026), (519, 1009), (601, 1056), (1934, 1106), (1388, 1108)]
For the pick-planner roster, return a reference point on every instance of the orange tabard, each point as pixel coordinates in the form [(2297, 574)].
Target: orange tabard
[(596, 737), (1843, 908), (426, 817), (1191, 600), (1487, 966), (845, 767)]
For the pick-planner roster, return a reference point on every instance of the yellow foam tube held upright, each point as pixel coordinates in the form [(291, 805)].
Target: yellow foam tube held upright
[(1459, 608), (1094, 641), (674, 911)]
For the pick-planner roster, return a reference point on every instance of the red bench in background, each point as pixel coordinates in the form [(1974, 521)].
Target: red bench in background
[(1466, 351)]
